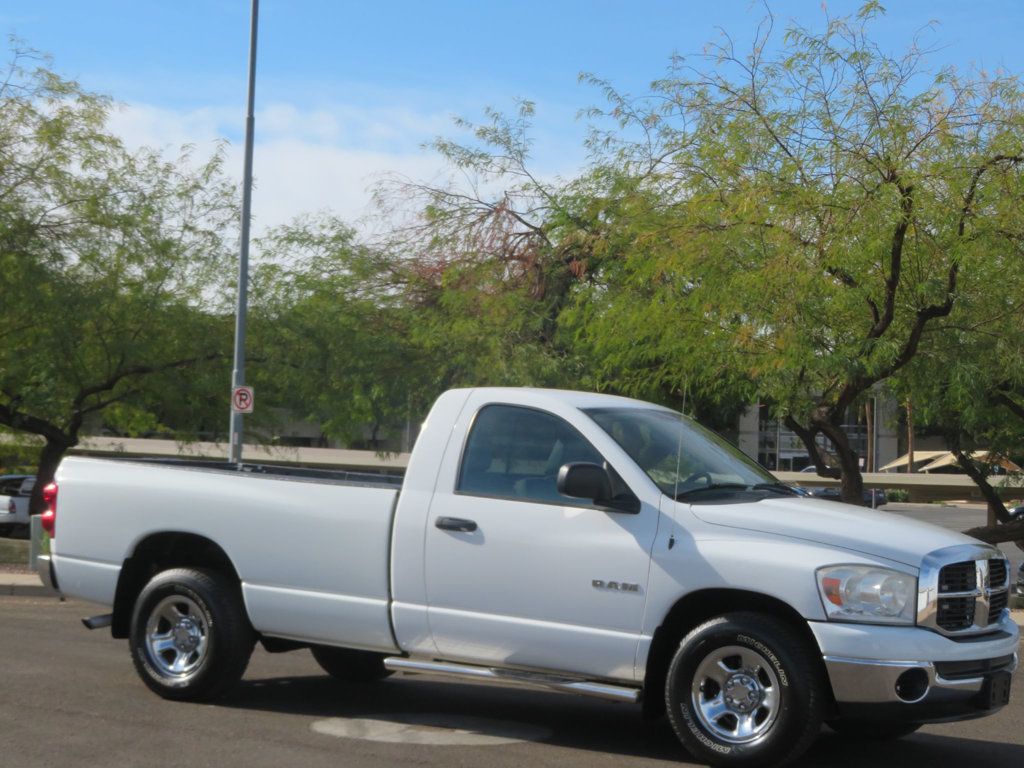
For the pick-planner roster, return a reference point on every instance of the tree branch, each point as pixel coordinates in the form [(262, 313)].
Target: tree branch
[(808, 436), (1012, 405), (136, 370), (972, 188), (997, 534), (23, 422), (987, 491), (892, 282)]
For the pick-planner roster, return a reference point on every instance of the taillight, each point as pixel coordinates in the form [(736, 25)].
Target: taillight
[(49, 516)]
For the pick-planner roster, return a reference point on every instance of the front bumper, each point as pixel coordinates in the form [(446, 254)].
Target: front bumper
[(915, 675), (867, 690)]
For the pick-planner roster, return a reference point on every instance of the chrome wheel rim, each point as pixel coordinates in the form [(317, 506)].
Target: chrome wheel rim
[(177, 636), (735, 693)]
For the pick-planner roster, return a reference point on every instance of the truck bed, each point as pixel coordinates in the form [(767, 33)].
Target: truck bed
[(309, 546)]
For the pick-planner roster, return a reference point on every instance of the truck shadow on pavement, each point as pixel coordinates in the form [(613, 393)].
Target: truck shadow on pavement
[(578, 723)]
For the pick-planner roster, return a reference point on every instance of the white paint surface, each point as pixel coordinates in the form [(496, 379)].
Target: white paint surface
[(431, 729)]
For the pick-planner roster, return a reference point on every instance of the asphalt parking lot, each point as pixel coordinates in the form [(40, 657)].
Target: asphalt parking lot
[(70, 697)]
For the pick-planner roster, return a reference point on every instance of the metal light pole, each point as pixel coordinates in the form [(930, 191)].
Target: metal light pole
[(238, 374)]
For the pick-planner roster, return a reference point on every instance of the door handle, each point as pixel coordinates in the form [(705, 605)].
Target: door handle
[(455, 524)]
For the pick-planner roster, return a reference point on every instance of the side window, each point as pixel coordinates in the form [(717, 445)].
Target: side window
[(517, 452)]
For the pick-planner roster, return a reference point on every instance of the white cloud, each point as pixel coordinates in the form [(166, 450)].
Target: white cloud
[(304, 160), (143, 125), (294, 177), (309, 160)]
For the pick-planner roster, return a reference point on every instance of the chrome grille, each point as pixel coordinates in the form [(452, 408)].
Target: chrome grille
[(958, 577), (996, 604), (996, 574), (999, 587), (956, 613), (963, 590)]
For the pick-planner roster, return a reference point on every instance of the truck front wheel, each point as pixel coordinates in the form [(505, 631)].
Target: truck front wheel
[(744, 689), (350, 665), (190, 639)]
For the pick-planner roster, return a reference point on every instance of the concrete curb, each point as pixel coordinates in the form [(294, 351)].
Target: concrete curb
[(23, 585)]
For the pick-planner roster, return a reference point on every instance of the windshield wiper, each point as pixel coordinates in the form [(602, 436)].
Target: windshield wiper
[(713, 487), (777, 487), (772, 487)]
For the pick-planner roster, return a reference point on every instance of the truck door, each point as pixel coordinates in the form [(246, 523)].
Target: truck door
[(519, 575)]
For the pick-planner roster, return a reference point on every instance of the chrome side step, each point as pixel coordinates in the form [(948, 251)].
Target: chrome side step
[(532, 679)]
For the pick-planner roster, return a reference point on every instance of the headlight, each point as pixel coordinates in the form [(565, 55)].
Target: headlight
[(867, 594)]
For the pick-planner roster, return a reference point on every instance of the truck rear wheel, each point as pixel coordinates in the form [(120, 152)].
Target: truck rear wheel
[(190, 639), (350, 665), (744, 689)]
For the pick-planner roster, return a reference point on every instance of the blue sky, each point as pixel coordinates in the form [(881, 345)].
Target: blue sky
[(348, 90)]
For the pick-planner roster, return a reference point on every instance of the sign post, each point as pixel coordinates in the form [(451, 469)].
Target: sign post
[(238, 374)]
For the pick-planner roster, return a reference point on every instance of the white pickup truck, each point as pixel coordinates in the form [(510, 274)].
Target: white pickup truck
[(582, 542)]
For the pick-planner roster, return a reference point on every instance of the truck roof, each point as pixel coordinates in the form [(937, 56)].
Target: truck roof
[(539, 395)]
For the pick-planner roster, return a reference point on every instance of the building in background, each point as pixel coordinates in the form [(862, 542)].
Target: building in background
[(767, 439)]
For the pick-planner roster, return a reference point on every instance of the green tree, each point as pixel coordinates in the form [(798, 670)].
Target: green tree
[(801, 218), (493, 263), (484, 258), (109, 264), (333, 334), (968, 384)]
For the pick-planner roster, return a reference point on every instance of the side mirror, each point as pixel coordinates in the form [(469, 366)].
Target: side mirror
[(584, 480)]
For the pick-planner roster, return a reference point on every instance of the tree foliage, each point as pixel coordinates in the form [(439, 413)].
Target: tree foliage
[(483, 257), (802, 217), (802, 224), (967, 383), (109, 264), (334, 337)]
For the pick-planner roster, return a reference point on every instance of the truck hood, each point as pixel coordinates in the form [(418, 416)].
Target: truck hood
[(858, 529)]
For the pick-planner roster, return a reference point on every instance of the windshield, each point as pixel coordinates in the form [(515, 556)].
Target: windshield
[(678, 454)]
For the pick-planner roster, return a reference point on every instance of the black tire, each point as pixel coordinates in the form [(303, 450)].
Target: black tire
[(212, 639), (350, 665), (872, 730), (771, 676)]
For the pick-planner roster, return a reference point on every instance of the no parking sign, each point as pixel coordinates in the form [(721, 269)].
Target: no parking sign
[(242, 399)]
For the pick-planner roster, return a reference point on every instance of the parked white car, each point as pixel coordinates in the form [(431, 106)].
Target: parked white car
[(575, 541), (8, 515), (15, 494)]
